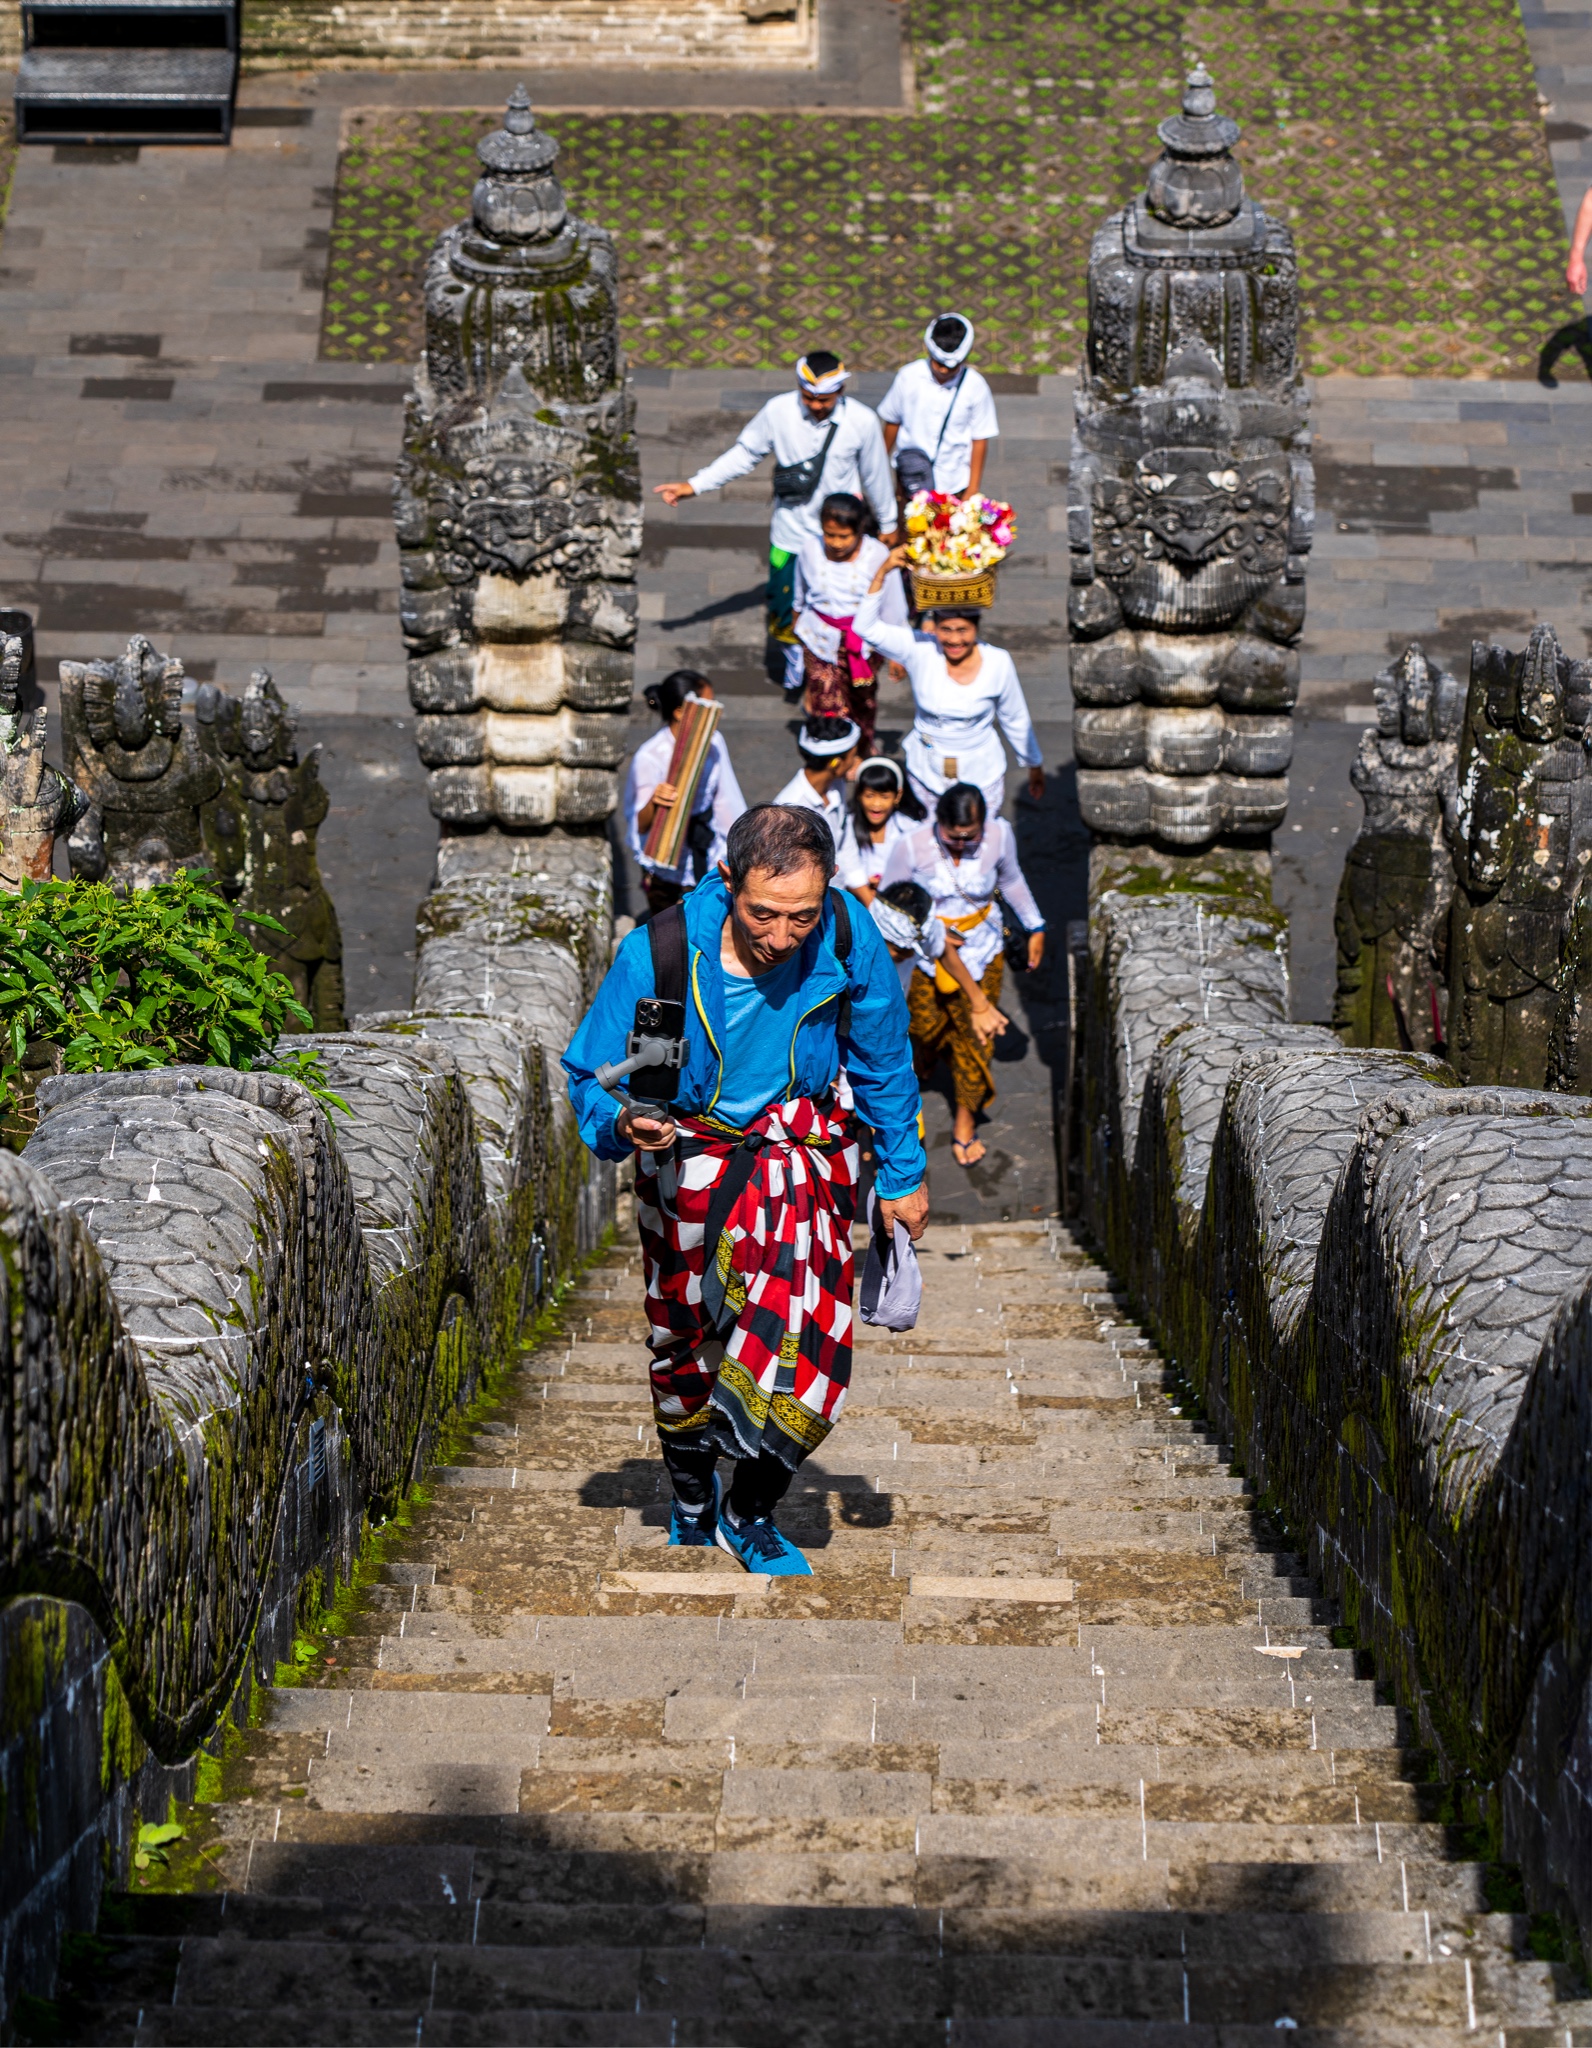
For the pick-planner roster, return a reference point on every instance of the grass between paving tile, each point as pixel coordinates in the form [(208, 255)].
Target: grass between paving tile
[(8, 157), (1402, 141)]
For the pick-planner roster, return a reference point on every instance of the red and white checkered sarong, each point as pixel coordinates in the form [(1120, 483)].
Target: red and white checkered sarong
[(774, 1378)]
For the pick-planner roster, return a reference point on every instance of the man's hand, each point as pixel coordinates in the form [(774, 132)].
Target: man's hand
[(1036, 949), (646, 1133), (1036, 783), (912, 1210), (671, 494), (1575, 273), (891, 538)]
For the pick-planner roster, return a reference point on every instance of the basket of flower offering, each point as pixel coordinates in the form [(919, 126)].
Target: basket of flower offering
[(954, 547)]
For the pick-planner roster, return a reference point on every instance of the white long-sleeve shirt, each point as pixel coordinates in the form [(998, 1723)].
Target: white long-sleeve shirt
[(831, 807), (857, 462), (921, 406), (869, 865), (962, 888), (718, 794), (955, 722), (837, 588)]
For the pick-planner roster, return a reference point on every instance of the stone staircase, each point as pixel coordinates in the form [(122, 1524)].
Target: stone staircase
[(1055, 1746)]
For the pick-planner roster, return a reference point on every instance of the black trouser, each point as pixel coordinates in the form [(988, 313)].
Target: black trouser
[(756, 1490)]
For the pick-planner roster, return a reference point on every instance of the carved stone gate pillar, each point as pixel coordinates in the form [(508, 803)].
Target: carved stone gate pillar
[(1190, 505), (519, 504)]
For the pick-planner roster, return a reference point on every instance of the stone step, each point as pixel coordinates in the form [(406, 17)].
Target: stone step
[(750, 1990), (145, 1961), (565, 1784)]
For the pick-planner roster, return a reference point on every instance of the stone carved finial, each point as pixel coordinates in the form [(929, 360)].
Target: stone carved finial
[(519, 504), (136, 760), (259, 835), (1190, 505), (1521, 838), (1398, 881), (37, 802), (1196, 182)]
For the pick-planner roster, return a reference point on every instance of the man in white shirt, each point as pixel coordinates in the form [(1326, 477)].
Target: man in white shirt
[(828, 747), (939, 414), (821, 441)]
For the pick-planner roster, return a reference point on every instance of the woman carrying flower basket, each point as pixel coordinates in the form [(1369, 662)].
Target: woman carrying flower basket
[(962, 688)]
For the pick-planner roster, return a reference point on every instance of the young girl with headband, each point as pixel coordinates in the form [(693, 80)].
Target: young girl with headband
[(882, 810)]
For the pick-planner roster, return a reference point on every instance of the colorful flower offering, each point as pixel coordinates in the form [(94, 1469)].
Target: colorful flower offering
[(951, 536)]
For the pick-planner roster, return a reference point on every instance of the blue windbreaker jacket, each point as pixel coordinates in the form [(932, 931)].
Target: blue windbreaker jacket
[(878, 1056)]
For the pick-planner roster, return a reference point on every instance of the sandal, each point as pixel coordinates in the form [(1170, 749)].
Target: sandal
[(961, 1145)]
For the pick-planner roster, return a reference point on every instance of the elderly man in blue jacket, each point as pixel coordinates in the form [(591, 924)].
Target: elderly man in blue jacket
[(746, 1185)]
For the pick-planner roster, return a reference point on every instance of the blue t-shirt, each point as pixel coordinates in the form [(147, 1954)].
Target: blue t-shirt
[(760, 1015)]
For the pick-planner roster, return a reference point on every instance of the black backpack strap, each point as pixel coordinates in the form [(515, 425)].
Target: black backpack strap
[(842, 950), (666, 936)]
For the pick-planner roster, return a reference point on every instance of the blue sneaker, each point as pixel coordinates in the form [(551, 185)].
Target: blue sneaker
[(761, 1548), (686, 1532)]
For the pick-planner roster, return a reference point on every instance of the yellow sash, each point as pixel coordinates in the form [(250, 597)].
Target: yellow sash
[(942, 980)]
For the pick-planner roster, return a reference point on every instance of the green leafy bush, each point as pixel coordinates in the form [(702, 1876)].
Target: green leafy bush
[(94, 982)]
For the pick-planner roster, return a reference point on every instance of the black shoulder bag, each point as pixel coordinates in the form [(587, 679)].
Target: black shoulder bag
[(795, 482), (914, 469)]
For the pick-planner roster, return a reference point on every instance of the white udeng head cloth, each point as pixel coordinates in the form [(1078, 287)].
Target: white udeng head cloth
[(950, 357), (825, 748), (818, 385), (895, 926)]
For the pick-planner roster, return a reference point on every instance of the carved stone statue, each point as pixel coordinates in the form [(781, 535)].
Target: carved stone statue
[(1521, 838), (36, 801), (259, 837), (519, 504), (138, 764), (1190, 504), (1398, 882)]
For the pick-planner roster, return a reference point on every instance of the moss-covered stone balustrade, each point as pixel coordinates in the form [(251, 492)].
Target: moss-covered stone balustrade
[(1379, 1284), (231, 1326)]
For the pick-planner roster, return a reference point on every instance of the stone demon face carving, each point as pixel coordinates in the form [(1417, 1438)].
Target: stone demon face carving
[(1190, 537), (514, 512), (1189, 506)]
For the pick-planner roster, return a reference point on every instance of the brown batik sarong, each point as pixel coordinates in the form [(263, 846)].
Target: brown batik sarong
[(942, 1023)]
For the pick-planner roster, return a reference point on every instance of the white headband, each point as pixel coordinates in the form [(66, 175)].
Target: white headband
[(820, 386), (882, 761), (824, 748), (950, 357), (895, 925)]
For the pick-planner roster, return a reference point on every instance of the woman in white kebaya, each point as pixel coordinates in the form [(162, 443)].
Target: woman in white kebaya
[(718, 803), (962, 688), (833, 571), (964, 859)]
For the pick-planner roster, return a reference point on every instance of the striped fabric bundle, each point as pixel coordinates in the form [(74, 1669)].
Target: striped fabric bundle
[(666, 836)]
